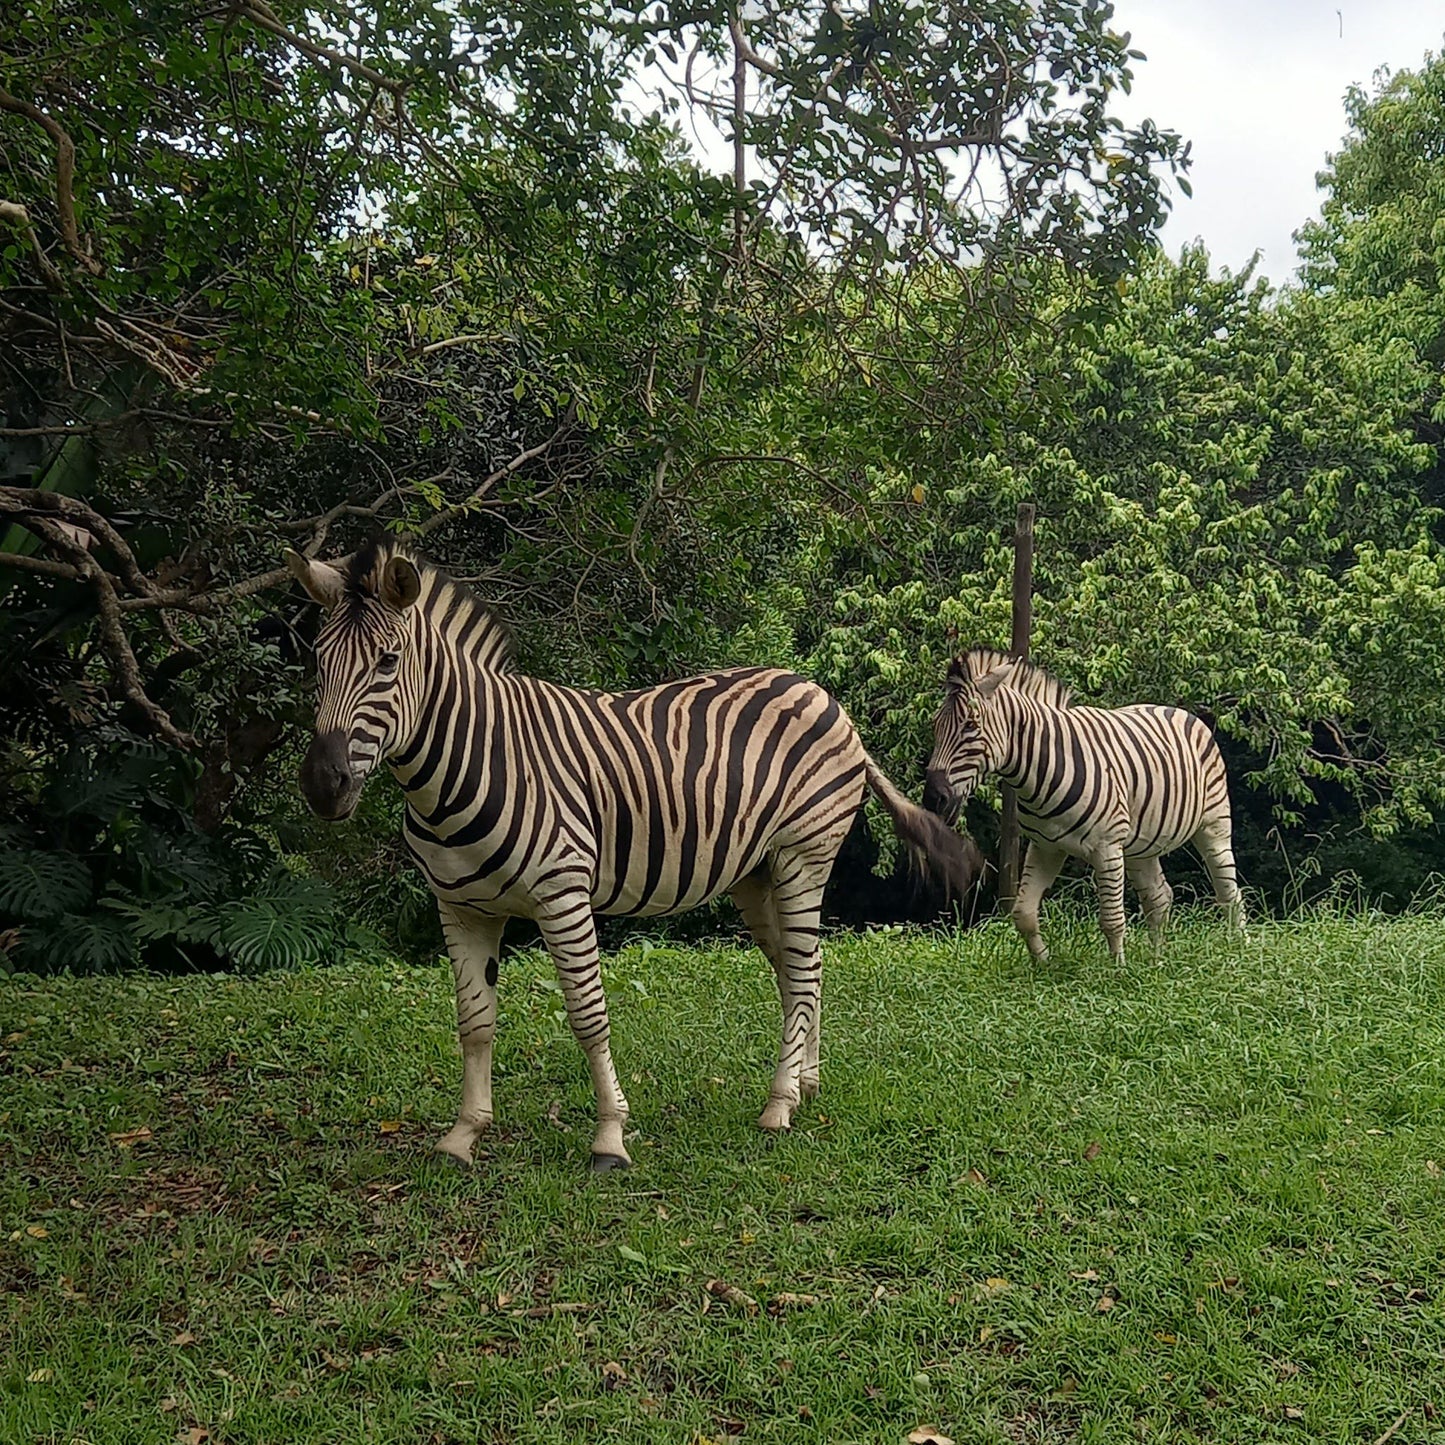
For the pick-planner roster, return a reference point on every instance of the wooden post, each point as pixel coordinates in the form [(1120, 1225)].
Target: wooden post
[(1023, 616)]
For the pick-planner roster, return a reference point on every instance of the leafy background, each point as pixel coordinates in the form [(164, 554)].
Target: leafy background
[(285, 275)]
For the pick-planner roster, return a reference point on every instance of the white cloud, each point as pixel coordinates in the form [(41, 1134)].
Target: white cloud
[(1258, 87)]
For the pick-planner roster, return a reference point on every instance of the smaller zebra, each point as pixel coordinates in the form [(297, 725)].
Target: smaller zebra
[(1117, 787)]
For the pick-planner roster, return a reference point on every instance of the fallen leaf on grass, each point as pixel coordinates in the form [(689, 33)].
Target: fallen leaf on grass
[(1293, 1412), (39, 1377), (975, 1176), (1105, 1304), (1432, 1168), (994, 1285), (1165, 1338), (790, 1301), (127, 1137), (184, 1338), (1092, 1150), (1089, 1274), (389, 1126), (196, 1435), (732, 1295), (928, 1435), (37, 1231), (613, 1375)]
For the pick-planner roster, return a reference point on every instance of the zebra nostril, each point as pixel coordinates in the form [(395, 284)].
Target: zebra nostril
[(326, 777), (937, 795)]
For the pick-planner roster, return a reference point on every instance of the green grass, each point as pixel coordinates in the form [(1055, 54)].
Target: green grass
[(1238, 1147)]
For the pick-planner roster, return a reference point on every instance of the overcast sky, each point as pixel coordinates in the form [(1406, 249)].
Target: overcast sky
[(1257, 85)]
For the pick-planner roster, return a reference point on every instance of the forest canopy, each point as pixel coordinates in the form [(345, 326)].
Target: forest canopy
[(289, 275)]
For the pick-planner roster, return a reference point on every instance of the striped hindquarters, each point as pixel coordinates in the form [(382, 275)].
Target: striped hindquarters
[(1145, 777)]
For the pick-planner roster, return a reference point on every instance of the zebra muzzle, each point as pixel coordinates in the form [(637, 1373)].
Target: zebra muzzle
[(939, 797), (328, 784)]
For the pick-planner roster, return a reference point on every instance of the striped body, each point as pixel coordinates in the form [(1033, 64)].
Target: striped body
[(650, 802), (1141, 778), (1117, 787), (525, 799)]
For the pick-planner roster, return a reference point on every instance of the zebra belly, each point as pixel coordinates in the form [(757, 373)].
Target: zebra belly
[(1085, 838)]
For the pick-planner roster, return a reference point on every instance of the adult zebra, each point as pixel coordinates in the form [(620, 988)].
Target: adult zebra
[(1117, 787), (525, 799)]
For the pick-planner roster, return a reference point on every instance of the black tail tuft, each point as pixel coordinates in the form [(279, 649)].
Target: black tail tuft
[(948, 857)]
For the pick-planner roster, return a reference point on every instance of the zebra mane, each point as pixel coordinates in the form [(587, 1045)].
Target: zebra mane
[(1033, 682), (441, 594)]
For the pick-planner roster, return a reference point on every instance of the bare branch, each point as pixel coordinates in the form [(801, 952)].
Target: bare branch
[(42, 565), (64, 177), (262, 14), (447, 514)]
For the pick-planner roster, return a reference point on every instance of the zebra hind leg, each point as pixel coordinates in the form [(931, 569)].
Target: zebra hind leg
[(474, 944), (1213, 842), (570, 933), (753, 896), (1147, 876), (797, 894)]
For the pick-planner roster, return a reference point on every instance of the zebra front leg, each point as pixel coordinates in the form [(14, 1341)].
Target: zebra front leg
[(474, 944), (1212, 839), (798, 900), (808, 1077), (570, 933), (1042, 864), (753, 896), (1109, 881), (1154, 891)]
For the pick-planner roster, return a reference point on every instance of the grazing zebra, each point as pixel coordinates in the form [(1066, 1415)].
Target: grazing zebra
[(525, 799), (1117, 787)]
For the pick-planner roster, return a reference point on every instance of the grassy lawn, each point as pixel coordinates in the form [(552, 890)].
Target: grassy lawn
[(1199, 1199)]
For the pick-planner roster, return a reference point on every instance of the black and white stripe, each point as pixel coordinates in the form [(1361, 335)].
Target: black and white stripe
[(525, 799), (1117, 787)]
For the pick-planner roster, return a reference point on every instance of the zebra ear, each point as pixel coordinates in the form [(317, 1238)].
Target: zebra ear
[(990, 682), (321, 581), (400, 583)]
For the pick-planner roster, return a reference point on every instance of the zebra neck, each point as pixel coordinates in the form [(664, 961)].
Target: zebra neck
[(461, 723), (1006, 729)]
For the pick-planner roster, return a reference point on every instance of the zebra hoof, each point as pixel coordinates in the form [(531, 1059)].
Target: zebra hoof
[(610, 1163), (808, 1088), (777, 1118), (448, 1160)]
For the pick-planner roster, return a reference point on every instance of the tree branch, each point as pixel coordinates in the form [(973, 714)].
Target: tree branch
[(447, 514), (64, 177)]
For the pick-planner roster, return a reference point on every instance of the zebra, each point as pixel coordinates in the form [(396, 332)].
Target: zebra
[(528, 799), (1117, 787)]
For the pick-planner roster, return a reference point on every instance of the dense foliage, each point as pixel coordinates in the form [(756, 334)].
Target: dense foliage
[(281, 275)]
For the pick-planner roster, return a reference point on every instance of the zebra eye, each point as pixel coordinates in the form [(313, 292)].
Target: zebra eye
[(387, 661)]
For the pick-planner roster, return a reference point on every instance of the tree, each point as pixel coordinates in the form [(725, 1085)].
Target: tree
[(278, 274), (1229, 520)]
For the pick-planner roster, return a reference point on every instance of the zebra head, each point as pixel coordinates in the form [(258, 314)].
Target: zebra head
[(366, 691), (961, 756)]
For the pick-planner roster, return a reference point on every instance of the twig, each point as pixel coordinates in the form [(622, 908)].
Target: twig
[(448, 514), (265, 17), (64, 176), (1404, 1415), (542, 1312)]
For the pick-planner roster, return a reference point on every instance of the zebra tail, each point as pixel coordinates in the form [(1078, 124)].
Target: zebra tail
[(948, 857)]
